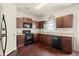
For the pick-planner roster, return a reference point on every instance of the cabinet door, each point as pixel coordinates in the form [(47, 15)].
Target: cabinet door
[(29, 20), (38, 37), (59, 22), (37, 24), (19, 23), (43, 38), (25, 20), (68, 21), (41, 24), (67, 44), (48, 40), (20, 41)]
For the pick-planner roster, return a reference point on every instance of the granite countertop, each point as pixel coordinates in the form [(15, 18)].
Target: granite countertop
[(58, 34)]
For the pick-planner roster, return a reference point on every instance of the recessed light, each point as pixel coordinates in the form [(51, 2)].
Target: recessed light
[(40, 6)]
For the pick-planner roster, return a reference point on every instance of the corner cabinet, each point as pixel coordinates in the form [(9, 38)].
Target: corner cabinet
[(40, 25), (64, 21)]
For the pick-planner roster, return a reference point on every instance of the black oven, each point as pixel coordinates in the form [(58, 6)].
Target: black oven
[(29, 39)]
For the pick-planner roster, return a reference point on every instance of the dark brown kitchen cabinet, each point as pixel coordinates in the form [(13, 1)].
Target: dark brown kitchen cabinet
[(37, 37), (19, 23), (30, 20), (68, 21), (67, 44), (40, 38), (40, 24), (27, 20), (20, 41), (48, 40), (64, 21), (59, 22), (44, 39), (37, 24)]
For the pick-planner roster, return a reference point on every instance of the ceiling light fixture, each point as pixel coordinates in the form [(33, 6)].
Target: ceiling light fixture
[(40, 6)]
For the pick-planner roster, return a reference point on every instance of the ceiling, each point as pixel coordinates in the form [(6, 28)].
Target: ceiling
[(48, 8)]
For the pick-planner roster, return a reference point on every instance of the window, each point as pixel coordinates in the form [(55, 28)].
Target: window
[(50, 25)]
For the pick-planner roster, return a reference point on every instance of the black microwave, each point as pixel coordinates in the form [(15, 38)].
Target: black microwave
[(27, 25)]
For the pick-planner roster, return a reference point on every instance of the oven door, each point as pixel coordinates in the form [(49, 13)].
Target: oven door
[(29, 38)]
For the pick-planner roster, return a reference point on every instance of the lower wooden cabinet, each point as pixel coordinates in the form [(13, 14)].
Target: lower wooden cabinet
[(20, 41), (67, 44), (44, 39)]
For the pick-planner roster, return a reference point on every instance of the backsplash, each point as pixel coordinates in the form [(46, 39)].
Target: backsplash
[(19, 30)]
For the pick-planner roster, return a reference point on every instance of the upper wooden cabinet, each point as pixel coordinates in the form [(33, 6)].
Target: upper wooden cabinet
[(20, 21), (64, 21), (27, 20), (59, 22), (40, 24), (68, 21), (37, 24)]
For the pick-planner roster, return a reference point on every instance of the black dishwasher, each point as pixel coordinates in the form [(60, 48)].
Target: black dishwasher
[(56, 42)]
